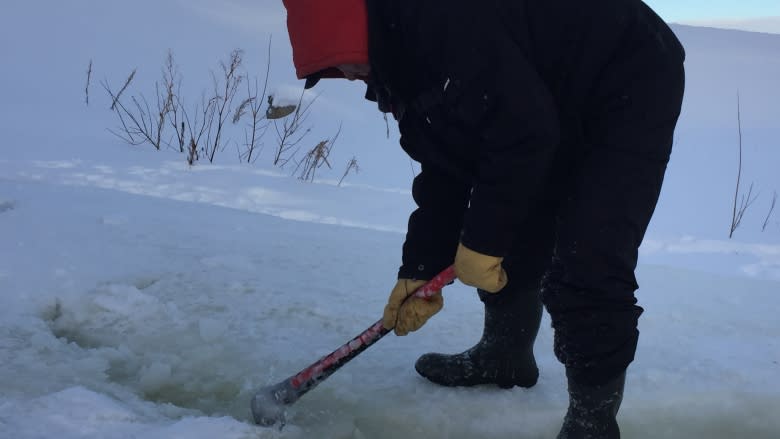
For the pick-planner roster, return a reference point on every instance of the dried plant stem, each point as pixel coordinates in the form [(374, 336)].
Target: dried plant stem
[(316, 158), (352, 165), (771, 209), (232, 80), (89, 82), (122, 90), (738, 211)]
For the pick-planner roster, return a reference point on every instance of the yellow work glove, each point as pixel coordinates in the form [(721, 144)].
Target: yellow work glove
[(409, 315), (478, 270)]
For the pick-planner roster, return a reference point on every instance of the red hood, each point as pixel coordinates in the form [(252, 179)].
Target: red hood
[(326, 33)]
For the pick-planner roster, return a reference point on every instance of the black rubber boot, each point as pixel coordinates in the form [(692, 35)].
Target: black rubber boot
[(504, 356), (592, 410)]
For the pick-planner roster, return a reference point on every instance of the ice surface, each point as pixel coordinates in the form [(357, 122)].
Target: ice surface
[(182, 335)]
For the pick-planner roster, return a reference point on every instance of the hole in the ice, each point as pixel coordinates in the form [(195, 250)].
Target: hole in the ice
[(167, 362)]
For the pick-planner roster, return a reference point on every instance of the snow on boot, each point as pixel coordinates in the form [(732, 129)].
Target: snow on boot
[(592, 410), (504, 356)]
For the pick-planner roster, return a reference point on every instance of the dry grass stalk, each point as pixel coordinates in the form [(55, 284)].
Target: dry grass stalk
[(738, 211), (89, 81), (352, 165), (771, 209)]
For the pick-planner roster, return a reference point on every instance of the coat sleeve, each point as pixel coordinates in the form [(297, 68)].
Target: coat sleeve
[(505, 101), (482, 112), (518, 141), (434, 227), (498, 126)]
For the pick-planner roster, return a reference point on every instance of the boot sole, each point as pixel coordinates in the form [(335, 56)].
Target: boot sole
[(501, 383)]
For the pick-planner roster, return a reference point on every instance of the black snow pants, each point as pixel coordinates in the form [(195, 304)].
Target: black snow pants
[(583, 241)]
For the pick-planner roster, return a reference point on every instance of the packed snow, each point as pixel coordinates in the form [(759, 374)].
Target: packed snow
[(141, 297)]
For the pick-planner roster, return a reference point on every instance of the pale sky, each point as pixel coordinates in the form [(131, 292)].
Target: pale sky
[(751, 15), (675, 10)]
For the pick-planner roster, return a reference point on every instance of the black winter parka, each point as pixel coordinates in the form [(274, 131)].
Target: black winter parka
[(493, 99)]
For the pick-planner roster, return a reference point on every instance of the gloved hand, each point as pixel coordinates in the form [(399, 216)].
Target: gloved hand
[(478, 270), (410, 315)]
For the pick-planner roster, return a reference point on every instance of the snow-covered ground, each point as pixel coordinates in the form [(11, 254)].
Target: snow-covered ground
[(141, 298), (129, 313)]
